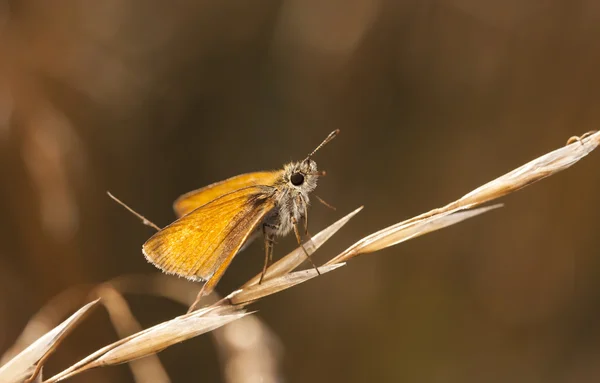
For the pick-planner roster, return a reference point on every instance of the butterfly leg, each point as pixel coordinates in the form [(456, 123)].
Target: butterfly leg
[(325, 203), (301, 201), (206, 289), (297, 233), (199, 297), (268, 252), (305, 220)]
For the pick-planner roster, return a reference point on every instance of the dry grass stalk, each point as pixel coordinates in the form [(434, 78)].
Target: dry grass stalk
[(122, 319), (154, 339), (247, 347), (26, 365), (249, 294), (48, 317), (294, 259), (161, 336), (280, 277), (436, 219), (406, 230)]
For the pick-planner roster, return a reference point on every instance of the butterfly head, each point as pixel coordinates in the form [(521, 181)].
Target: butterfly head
[(302, 176)]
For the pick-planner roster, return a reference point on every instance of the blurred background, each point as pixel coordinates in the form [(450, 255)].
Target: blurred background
[(151, 99)]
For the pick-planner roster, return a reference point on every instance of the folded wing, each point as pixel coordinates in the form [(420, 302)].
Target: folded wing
[(194, 199), (201, 244)]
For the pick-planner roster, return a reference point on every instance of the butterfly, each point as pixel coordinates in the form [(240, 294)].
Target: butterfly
[(217, 221)]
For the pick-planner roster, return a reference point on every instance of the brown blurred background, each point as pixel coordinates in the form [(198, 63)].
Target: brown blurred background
[(151, 99)]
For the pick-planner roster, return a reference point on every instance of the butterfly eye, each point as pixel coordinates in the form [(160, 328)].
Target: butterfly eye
[(297, 179)]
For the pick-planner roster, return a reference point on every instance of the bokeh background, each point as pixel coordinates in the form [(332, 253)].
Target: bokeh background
[(151, 99)]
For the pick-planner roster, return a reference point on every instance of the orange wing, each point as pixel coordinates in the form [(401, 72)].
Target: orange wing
[(194, 199), (200, 245)]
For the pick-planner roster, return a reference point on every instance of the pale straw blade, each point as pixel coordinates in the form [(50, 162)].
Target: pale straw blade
[(48, 317), (297, 257), (251, 293), (27, 364), (166, 334), (155, 339), (402, 231), (533, 171)]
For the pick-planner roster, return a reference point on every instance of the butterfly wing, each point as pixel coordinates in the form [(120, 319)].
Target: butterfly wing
[(201, 244), (194, 199)]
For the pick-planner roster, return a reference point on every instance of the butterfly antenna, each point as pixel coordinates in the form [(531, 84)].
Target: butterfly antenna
[(144, 220), (330, 137)]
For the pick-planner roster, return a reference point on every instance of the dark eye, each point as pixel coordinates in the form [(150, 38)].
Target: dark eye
[(297, 179)]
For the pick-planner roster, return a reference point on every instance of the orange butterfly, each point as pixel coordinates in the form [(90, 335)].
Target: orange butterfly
[(218, 220)]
